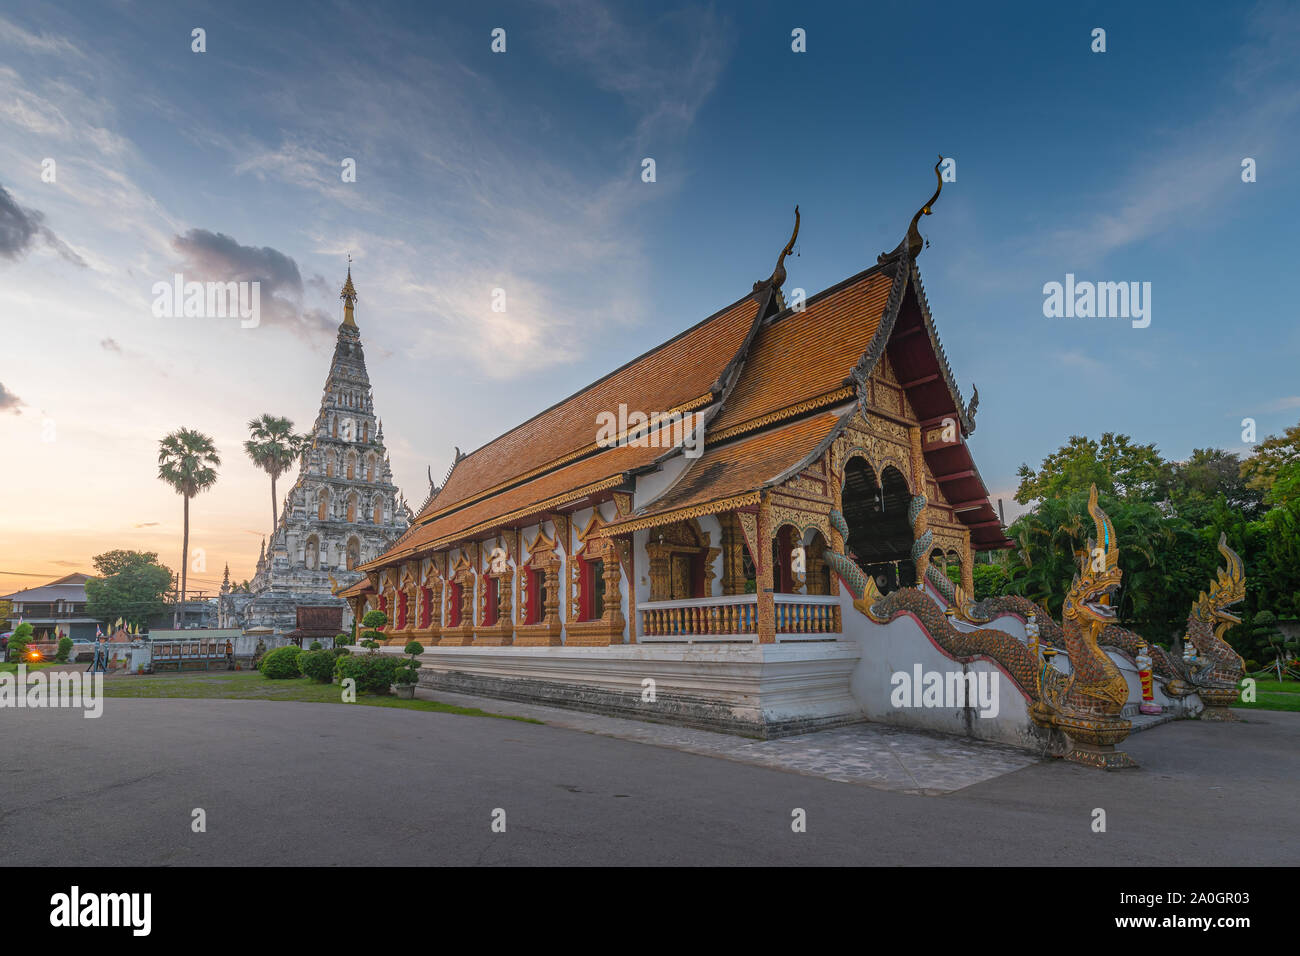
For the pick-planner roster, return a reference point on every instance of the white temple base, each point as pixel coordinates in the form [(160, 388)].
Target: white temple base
[(757, 690)]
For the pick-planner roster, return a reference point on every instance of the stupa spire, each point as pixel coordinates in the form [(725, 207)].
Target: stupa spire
[(349, 297)]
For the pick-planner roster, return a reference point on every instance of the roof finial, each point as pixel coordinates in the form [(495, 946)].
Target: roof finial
[(349, 297), (913, 242), (777, 278)]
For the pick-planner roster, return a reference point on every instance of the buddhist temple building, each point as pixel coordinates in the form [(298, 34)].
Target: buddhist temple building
[(675, 514)]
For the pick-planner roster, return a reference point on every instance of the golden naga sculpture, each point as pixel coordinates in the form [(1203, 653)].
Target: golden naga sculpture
[(1038, 682), (1096, 691), (1219, 679), (1087, 704)]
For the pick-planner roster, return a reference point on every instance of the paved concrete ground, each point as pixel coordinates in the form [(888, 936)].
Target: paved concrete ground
[(873, 754), (326, 784)]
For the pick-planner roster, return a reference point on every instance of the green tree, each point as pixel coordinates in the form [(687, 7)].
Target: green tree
[(274, 448), (1117, 466), (187, 461), (991, 580), (1156, 555), (1274, 452), (131, 585), (1194, 485)]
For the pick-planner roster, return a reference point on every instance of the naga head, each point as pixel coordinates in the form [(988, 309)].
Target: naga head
[(1089, 598), (1228, 589)]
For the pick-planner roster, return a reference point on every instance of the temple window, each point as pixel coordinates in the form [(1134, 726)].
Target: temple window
[(536, 596), (592, 583), (378, 513), (456, 593), (354, 553), (322, 511), (402, 608), (352, 507), (352, 465)]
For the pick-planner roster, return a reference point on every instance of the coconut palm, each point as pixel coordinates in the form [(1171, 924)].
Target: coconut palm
[(274, 448), (186, 461)]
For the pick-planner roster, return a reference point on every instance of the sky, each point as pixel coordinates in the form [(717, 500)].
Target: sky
[(522, 170)]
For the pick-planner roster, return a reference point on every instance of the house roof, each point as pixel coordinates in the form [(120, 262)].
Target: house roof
[(71, 587)]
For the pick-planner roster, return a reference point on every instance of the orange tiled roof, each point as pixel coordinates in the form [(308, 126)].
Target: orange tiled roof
[(682, 369), (354, 590), (746, 464), (800, 356), (576, 480)]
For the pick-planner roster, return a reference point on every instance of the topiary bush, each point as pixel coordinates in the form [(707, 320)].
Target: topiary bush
[(374, 673), (281, 663), (65, 648), (315, 646), (318, 665), (18, 642), (340, 651)]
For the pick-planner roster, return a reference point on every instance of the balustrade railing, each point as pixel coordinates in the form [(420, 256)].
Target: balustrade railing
[(735, 617), (809, 616), (701, 618)]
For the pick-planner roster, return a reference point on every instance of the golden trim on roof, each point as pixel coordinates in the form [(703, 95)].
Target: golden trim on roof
[(527, 476)]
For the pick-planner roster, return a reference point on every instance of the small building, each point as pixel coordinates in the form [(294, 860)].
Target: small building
[(319, 623), (59, 606)]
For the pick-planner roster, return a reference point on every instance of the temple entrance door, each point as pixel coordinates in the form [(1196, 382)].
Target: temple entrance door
[(880, 536), (681, 578)]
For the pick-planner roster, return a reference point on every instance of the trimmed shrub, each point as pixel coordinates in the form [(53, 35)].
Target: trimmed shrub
[(281, 663), (65, 648), (340, 651), (318, 665), (374, 673), (413, 648), (315, 646)]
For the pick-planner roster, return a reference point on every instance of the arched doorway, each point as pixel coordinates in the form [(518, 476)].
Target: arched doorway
[(880, 536)]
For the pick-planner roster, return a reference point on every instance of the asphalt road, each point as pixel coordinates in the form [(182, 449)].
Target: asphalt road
[(327, 784)]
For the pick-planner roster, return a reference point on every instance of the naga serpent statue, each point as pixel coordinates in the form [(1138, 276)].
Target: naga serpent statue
[(1218, 681), (1086, 704)]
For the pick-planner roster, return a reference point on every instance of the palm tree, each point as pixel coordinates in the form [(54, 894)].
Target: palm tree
[(186, 461), (274, 448)]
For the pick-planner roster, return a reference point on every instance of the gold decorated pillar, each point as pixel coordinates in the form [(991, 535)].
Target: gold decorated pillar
[(766, 588)]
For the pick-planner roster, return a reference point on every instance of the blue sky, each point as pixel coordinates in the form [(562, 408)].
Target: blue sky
[(521, 170)]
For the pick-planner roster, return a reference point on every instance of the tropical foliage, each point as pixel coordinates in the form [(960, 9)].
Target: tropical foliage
[(274, 448), (1168, 517), (187, 460), (131, 585)]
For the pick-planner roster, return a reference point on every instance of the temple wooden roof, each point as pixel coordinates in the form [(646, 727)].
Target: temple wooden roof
[(745, 465), (684, 371), (770, 377)]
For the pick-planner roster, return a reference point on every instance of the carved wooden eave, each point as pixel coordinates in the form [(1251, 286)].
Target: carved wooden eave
[(965, 413)]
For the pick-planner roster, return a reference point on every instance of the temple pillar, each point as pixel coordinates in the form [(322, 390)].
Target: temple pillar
[(766, 588)]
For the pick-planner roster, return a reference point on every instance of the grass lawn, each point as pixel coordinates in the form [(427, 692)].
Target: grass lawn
[(1274, 695), (251, 685), (12, 668)]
